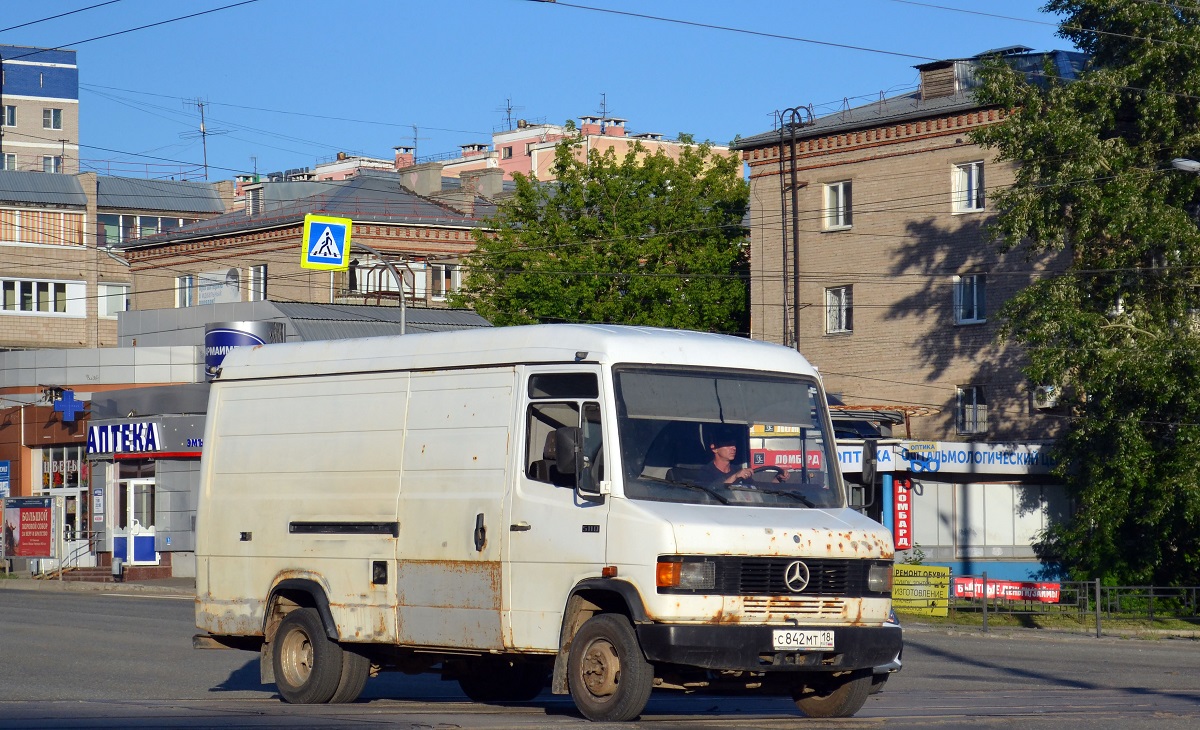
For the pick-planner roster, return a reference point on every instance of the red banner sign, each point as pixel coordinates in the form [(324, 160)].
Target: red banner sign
[(1009, 590), (902, 515), (28, 528), (788, 459)]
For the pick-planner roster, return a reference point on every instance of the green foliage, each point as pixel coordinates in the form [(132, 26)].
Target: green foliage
[(641, 239), (1118, 331)]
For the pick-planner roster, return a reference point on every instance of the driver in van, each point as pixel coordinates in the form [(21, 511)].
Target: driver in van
[(720, 470)]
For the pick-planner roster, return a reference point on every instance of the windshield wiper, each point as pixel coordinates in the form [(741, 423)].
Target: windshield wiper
[(688, 485), (786, 493)]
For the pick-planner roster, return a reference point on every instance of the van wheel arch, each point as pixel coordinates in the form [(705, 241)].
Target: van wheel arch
[(292, 593), (589, 598)]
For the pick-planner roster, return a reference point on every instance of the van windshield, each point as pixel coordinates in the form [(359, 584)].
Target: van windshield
[(725, 437)]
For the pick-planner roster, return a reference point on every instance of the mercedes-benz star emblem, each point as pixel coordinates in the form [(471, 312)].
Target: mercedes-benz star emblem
[(796, 576)]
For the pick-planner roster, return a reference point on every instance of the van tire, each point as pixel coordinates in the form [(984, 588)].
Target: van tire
[(308, 666), (609, 678), (835, 696), (499, 679), (355, 670)]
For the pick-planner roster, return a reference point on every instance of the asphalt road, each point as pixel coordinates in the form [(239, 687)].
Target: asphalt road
[(113, 659)]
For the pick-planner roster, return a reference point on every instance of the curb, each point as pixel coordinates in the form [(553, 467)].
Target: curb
[(72, 586)]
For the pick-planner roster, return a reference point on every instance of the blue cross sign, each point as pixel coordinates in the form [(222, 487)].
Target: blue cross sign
[(67, 405), (326, 243)]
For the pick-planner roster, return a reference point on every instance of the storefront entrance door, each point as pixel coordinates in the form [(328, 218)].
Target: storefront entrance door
[(133, 534)]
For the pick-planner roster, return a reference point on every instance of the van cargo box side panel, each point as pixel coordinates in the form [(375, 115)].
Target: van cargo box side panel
[(456, 451), (320, 449)]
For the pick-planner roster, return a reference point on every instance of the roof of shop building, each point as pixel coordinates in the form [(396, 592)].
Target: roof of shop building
[(345, 321), (131, 193), (40, 188), (372, 196)]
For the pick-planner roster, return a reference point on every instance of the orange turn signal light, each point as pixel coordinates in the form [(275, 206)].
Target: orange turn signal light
[(667, 574)]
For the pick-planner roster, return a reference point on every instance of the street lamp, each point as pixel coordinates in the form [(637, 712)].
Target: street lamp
[(1182, 163)]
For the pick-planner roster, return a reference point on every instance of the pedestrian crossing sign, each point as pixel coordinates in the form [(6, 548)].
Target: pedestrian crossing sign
[(326, 243)]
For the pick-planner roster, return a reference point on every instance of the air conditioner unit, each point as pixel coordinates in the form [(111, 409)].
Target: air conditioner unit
[(1045, 397)]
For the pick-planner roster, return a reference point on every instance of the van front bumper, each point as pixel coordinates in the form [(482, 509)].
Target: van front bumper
[(750, 648)]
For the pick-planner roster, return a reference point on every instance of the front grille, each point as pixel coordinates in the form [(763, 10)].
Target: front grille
[(764, 609), (754, 576)]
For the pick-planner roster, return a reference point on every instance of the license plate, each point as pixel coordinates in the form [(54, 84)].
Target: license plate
[(787, 640)]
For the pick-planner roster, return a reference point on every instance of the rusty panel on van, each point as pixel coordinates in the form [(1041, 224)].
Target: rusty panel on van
[(456, 451)]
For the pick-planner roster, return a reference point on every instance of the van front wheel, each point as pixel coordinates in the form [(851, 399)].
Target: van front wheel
[(308, 666), (609, 678), (831, 696)]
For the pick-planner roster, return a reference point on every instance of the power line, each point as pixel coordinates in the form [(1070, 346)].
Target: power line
[(55, 17), (131, 30)]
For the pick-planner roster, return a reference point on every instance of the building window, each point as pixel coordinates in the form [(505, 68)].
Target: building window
[(185, 291), (52, 119), (446, 280), (838, 206), (528, 149), (839, 309), (506, 153), (969, 299), (968, 187), (970, 412), (33, 296), (52, 163), (9, 116), (41, 227), (114, 298), (8, 161), (256, 283)]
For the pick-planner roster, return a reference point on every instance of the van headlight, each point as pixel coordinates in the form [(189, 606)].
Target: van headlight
[(692, 575), (879, 578)]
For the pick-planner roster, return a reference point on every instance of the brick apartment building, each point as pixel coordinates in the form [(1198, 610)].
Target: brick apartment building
[(39, 109), (254, 254), (60, 284), (883, 259)]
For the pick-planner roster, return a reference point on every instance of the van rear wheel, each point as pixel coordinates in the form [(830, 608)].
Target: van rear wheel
[(609, 678), (831, 696), (308, 666), (355, 670)]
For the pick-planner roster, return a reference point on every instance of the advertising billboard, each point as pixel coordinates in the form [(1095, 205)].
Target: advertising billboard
[(28, 527)]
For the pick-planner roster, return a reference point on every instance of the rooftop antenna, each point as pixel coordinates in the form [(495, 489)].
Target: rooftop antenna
[(603, 111), (203, 133), (415, 138), (508, 110)]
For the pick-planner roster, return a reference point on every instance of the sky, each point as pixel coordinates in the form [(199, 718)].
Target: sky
[(289, 83)]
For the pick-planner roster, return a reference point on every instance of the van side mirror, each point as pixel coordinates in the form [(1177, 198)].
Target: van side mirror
[(566, 450), (870, 462)]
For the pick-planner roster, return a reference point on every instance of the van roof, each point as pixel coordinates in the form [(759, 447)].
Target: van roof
[(548, 343)]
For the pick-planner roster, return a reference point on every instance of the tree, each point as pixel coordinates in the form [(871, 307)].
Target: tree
[(640, 239), (1117, 331)]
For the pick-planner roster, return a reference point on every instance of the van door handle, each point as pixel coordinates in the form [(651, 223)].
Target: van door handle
[(480, 533), (520, 527)]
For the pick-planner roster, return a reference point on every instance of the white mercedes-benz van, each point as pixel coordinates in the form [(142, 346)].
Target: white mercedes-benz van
[(598, 509)]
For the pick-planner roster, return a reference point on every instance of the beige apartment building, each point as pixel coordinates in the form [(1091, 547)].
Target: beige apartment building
[(61, 284), (870, 253), (39, 109)]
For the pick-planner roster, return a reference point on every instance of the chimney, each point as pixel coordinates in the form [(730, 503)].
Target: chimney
[(473, 150), (423, 179), (486, 183), (405, 157), (937, 79)]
